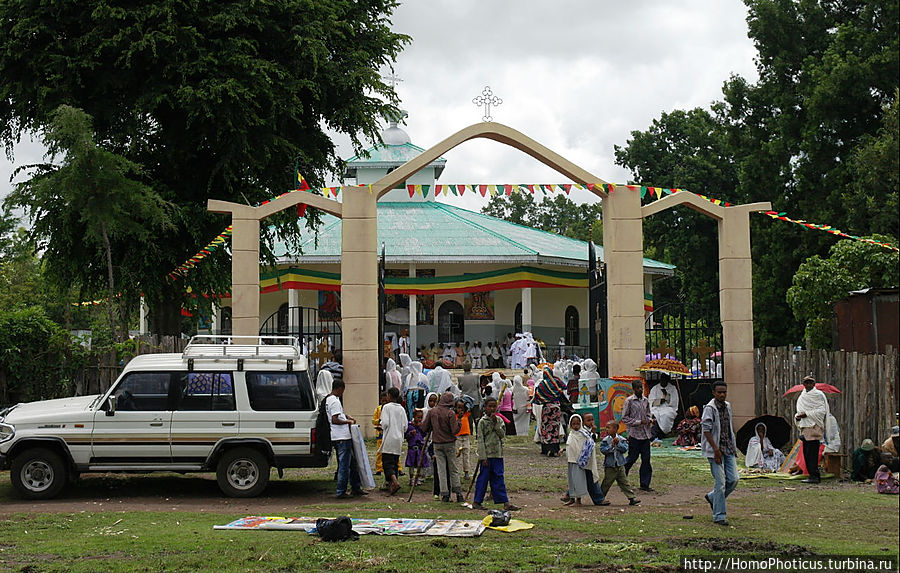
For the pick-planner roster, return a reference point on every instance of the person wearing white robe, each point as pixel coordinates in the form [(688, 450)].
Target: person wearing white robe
[(664, 403), (812, 411), (449, 354), (760, 453), (405, 372), (474, 356), (391, 375), (531, 349), (520, 406), (590, 375), (517, 353), (324, 380), (439, 380)]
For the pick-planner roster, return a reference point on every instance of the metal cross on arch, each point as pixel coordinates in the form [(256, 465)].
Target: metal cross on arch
[(487, 99)]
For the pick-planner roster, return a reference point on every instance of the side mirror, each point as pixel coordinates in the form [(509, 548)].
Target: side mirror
[(111, 406)]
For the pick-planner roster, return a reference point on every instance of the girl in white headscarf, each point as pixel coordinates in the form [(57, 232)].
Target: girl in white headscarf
[(323, 384), (581, 456), (391, 375), (520, 406)]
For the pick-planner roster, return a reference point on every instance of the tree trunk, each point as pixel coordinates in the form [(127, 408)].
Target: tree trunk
[(110, 307)]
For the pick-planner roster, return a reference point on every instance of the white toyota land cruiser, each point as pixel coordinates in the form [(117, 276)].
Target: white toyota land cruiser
[(236, 409)]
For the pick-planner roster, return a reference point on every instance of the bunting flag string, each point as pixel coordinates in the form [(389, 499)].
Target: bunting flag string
[(217, 243), (781, 216)]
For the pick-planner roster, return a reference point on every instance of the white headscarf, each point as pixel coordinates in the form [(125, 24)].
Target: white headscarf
[(426, 407), (439, 380), (416, 378), (392, 376), (405, 361), (324, 380), (519, 393), (496, 385), (815, 405), (576, 444)]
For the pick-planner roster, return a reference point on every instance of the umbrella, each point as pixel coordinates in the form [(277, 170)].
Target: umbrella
[(827, 388), (778, 430), (665, 365)]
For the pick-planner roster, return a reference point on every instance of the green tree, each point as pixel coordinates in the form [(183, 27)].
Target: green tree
[(689, 150), (827, 71), (32, 349), (820, 282), (554, 214), (213, 99), (91, 196)]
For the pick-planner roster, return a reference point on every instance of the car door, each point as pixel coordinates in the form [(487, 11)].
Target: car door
[(282, 411), (205, 414), (137, 434)]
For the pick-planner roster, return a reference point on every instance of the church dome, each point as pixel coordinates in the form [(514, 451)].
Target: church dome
[(393, 135)]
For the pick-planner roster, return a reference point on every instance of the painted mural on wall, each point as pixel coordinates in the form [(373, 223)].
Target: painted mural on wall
[(399, 303), (329, 306), (479, 305), (611, 395)]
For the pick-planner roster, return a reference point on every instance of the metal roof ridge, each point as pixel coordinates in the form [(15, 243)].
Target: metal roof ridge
[(442, 207)]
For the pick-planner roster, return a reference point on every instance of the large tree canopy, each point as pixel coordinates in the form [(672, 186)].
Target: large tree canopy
[(816, 136), (555, 214), (213, 100)]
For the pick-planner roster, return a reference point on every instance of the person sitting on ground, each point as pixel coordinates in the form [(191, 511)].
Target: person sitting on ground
[(688, 430), (866, 460), (892, 444), (613, 447), (663, 405), (491, 431), (760, 452), (885, 480)]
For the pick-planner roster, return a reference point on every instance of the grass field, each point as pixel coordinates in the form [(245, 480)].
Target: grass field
[(139, 523)]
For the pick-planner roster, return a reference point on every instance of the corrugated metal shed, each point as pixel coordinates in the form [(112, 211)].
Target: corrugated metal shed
[(432, 232)]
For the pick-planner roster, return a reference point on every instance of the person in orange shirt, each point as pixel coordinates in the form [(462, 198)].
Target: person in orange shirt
[(463, 436), (376, 421)]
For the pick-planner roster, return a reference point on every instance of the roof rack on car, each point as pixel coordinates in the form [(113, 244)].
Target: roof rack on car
[(256, 348)]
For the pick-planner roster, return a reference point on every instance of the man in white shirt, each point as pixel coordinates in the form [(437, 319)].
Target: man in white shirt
[(342, 442), (812, 410), (393, 424)]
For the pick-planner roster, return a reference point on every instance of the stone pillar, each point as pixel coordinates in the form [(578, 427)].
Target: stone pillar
[(736, 310), (359, 305), (526, 310), (294, 315), (245, 275), (413, 320), (143, 326), (623, 246)]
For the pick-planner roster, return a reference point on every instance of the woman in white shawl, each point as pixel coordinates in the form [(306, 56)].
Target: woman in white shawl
[(324, 380), (520, 406), (812, 411), (439, 380), (405, 371), (581, 455), (760, 453), (392, 376)]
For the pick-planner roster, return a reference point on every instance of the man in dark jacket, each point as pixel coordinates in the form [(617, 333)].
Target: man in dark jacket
[(443, 424)]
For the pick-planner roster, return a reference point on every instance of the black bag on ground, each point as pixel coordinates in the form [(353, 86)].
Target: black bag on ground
[(340, 529), (499, 518), (323, 430)]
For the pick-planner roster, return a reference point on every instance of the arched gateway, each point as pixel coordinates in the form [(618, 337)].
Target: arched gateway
[(622, 240)]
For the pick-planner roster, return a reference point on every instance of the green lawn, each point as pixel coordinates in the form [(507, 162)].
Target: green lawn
[(774, 518)]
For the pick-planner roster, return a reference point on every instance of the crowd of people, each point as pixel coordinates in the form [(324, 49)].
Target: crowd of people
[(454, 432), (514, 352)]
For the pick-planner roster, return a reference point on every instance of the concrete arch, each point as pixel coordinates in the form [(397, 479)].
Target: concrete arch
[(693, 201), (497, 132)]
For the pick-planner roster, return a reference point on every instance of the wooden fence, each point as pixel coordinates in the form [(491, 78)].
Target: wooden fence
[(97, 377), (865, 408)]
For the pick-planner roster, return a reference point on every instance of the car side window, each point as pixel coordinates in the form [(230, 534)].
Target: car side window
[(280, 391), (205, 391), (143, 392)]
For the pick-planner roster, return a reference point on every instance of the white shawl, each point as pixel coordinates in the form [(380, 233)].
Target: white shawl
[(815, 405)]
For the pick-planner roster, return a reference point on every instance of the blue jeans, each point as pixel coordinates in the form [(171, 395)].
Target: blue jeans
[(640, 448), (492, 474), (594, 488), (726, 480), (345, 470)]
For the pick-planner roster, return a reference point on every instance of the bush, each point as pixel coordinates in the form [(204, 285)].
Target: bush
[(32, 357)]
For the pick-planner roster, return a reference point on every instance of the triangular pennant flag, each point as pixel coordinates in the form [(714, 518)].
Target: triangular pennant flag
[(566, 188), (462, 189), (507, 189), (530, 188), (302, 185), (425, 189), (411, 189), (482, 189)]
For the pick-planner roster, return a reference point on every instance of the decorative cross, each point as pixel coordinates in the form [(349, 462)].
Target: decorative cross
[(703, 350), (487, 99), (663, 349), (321, 352), (392, 79)]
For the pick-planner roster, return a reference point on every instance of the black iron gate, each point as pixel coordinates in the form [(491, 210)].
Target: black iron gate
[(693, 337), (318, 337)]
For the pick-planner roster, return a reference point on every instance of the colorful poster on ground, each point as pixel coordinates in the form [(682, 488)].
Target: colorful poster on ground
[(329, 306), (479, 305), (611, 395), (380, 526)]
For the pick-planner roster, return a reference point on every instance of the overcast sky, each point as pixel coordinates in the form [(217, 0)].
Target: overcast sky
[(576, 75)]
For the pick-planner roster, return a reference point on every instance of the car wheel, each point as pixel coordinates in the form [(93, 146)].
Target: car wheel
[(242, 472), (38, 473)]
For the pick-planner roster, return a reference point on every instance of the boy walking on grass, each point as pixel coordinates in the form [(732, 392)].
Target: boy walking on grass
[(613, 447), (491, 431)]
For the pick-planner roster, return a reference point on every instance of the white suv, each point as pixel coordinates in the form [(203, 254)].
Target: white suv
[(236, 409)]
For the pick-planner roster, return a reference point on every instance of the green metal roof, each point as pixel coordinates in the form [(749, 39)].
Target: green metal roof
[(432, 232)]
